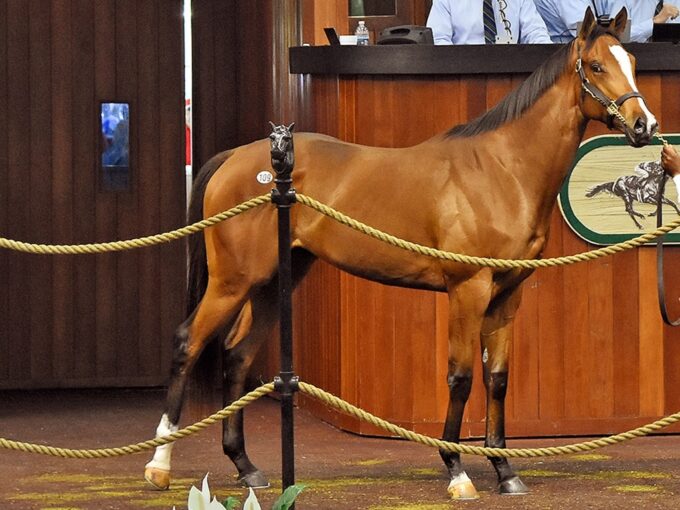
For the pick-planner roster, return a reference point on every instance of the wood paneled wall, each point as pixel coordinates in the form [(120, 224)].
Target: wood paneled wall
[(104, 320), (591, 354)]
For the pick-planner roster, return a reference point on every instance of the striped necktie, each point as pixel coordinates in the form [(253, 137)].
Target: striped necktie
[(489, 22), (659, 6)]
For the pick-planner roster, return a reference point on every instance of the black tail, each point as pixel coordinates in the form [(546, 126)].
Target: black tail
[(204, 378), (198, 267), (605, 186)]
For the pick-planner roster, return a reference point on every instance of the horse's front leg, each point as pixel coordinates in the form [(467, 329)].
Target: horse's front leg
[(496, 343), (467, 303)]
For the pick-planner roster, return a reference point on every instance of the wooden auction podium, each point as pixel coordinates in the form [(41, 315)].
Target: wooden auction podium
[(591, 355)]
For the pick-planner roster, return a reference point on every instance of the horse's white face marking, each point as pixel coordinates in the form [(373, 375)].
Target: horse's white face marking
[(626, 65), (161, 458), (676, 180)]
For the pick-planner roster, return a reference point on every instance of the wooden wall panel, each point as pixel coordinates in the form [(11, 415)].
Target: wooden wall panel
[(18, 167), (89, 320), (106, 204), (4, 213), (85, 113), (40, 292), (590, 354), (62, 187), (148, 199)]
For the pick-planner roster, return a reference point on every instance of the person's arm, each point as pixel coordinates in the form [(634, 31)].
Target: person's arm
[(532, 28), (668, 12), (670, 159), (441, 22)]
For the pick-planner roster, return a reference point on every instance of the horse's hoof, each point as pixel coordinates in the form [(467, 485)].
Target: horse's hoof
[(461, 488), (513, 486), (255, 480), (159, 478)]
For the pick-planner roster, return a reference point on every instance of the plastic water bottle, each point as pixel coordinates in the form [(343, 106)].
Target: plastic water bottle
[(362, 34)]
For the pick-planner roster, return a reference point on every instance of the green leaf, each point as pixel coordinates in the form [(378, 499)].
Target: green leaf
[(230, 503), (286, 499)]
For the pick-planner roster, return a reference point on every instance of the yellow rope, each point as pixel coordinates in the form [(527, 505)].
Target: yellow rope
[(143, 446), (351, 410), (484, 261), (74, 249), (130, 244)]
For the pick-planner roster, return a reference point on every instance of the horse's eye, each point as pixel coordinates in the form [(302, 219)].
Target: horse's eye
[(596, 67)]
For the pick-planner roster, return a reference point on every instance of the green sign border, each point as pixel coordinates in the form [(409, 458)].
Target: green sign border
[(565, 205)]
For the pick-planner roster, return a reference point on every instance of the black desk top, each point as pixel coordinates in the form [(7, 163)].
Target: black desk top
[(453, 60)]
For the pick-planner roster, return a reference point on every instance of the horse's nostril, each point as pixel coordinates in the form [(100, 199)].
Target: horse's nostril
[(640, 126)]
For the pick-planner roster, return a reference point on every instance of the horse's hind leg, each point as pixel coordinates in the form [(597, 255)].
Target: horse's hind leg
[(254, 327), (496, 343), (215, 310), (255, 324)]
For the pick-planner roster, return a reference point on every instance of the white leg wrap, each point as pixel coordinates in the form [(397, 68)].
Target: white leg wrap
[(676, 180), (161, 458), (461, 478)]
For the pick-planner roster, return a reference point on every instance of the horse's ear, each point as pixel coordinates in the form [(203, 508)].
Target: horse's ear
[(291, 127), (272, 124), (618, 26), (588, 24)]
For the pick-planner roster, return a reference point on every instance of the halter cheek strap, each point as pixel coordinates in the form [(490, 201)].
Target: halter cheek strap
[(610, 105)]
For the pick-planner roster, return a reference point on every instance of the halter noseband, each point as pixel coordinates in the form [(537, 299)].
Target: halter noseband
[(610, 105)]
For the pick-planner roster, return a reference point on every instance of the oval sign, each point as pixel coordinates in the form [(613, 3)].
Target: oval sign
[(265, 177), (608, 175)]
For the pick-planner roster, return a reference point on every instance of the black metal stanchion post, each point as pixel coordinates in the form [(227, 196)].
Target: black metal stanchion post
[(286, 383)]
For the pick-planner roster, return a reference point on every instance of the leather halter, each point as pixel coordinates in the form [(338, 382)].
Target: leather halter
[(660, 285), (610, 105)]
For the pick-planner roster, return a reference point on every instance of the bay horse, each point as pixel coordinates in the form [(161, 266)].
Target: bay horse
[(232, 288)]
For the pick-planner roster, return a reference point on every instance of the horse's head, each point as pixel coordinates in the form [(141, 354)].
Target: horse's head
[(607, 75)]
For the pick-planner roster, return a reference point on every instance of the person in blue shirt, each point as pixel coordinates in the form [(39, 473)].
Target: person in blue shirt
[(561, 16), (644, 13), (461, 22)]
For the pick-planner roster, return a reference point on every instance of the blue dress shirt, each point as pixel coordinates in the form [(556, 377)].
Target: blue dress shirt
[(642, 18), (561, 16), (460, 22)]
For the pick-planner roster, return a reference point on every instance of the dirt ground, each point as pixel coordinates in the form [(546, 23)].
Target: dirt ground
[(339, 470)]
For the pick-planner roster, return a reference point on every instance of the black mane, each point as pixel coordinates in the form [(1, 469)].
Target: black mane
[(520, 99)]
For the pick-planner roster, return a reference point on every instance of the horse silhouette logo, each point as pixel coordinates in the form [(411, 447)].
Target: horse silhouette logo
[(642, 187)]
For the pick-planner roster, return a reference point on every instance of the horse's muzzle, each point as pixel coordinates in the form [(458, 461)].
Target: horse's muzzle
[(641, 133)]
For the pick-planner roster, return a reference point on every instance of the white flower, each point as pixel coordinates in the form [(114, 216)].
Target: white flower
[(200, 500), (251, 503)]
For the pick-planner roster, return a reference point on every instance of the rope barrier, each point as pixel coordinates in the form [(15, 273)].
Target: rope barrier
[(484, 261), (349, 409), (145, 445), (130, 244), (76, 249)]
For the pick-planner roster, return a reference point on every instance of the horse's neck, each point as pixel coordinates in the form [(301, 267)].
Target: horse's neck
[(555, 126)]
